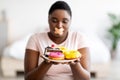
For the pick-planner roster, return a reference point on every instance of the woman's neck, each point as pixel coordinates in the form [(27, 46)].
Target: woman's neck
[(57, 40)]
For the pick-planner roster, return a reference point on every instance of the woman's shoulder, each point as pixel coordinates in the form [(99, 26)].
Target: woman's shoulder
[(77, 33)]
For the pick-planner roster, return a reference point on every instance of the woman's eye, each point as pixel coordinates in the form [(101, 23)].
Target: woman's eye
[(54, 20), (65, 21)]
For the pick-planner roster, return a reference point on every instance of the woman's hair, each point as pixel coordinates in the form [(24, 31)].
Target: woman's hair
[(60, 5)]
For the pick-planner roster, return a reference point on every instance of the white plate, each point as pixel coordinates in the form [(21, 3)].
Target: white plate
[(59, 61)]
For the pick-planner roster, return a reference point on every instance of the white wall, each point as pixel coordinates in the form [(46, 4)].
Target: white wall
[(26, 16)]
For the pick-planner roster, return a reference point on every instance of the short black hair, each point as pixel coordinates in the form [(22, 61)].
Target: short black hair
[(60, 5)]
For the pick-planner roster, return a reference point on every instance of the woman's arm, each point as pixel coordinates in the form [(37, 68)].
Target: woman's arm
[(33, 71), (81, 71)]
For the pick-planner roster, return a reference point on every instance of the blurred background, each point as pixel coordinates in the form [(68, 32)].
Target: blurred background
[(99, 20)]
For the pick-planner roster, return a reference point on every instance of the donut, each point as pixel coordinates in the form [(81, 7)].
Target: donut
[(72, 54), (56, 55), (61, 53)]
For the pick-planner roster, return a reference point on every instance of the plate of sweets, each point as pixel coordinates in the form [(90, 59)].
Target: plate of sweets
[(60, 54)]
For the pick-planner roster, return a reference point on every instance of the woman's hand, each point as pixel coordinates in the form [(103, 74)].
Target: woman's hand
[(75, 61), (81, 70)]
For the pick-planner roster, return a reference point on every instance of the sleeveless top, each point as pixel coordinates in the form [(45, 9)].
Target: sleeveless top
[(39, 41)]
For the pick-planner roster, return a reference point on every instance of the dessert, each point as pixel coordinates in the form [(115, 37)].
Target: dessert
[(48, 50), (56, 55), (72, 54), (61, 53)]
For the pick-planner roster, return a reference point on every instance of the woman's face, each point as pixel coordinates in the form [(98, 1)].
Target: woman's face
[(59, 22)]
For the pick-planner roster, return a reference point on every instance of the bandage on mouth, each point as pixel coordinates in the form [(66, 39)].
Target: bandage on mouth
[(59, 31)]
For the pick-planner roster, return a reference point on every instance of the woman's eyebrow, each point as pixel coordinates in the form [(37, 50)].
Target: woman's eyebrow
[(66, 19), (63, 18), (53, 18)]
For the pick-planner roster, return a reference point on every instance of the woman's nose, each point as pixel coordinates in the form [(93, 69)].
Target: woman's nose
[(60, 25)]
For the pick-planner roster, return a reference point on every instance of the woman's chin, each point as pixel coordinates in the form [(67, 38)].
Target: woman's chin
[(58, 35)]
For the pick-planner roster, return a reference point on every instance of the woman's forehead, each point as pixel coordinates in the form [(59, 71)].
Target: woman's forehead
[(60, 14)]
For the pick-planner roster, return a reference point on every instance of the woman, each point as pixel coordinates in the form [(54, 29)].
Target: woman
[(36, 68)]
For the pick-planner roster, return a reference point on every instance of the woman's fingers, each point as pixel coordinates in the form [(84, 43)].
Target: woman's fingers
[(57, 62), (75, 61)]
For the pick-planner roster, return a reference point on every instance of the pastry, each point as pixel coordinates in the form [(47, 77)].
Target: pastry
[(61, 53), (72, 54), (56, 55)]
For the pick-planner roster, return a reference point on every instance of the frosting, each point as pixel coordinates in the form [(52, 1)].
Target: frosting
[(62, 53), (56, 54), (70, 54)]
